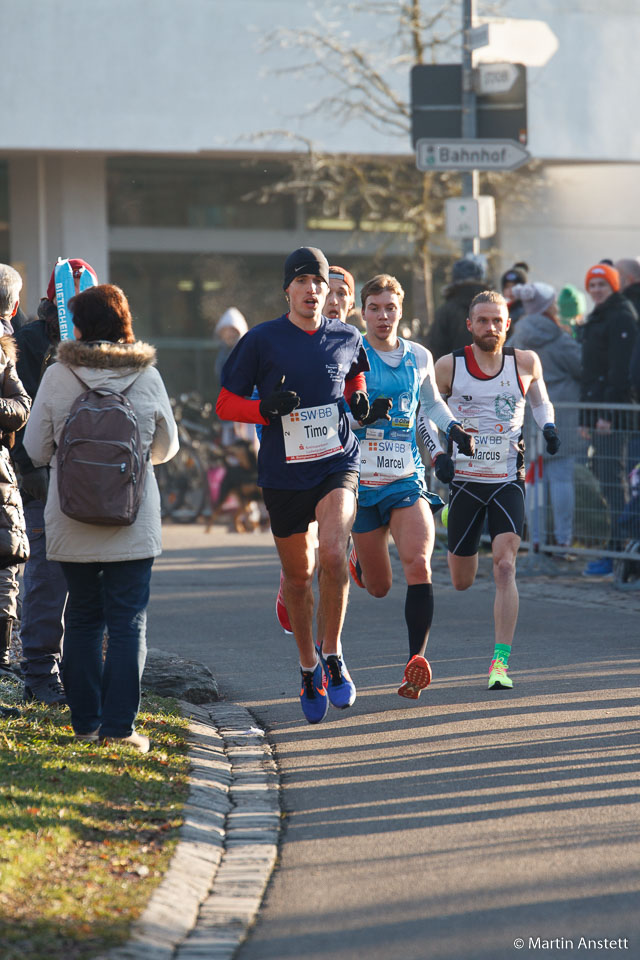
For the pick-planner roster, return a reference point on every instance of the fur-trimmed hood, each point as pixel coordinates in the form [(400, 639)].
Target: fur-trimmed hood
[(8, 346), (105, 355)]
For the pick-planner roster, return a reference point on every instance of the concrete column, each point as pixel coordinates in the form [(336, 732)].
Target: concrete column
[(57, 208)]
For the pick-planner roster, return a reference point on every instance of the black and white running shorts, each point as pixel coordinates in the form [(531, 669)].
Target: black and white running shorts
[(469, 502)]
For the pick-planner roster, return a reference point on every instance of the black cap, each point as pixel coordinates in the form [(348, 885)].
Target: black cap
[(305, 260), (515, 274)]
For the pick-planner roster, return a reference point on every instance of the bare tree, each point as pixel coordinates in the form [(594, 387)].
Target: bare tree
[(388, 190)]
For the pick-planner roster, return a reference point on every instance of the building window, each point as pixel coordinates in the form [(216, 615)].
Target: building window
[(220, 194)]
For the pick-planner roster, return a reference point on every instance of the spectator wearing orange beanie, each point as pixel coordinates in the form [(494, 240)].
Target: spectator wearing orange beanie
[(604, 272), (607, 337)]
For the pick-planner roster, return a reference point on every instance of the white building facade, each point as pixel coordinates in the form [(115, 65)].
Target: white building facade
[(134, 132)]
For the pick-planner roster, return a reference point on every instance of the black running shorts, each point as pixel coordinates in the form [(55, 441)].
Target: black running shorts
[(291, 511), (469, 503)]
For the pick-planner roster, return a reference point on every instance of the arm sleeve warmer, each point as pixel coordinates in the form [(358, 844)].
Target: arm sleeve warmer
[(358, 382), (541, 406), (428, 433), (230, 406), (432, 406)]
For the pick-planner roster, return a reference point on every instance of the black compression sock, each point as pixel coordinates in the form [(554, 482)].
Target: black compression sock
[(418, 612)]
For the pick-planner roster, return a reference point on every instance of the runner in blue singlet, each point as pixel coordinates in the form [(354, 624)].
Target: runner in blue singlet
[(393, 497)]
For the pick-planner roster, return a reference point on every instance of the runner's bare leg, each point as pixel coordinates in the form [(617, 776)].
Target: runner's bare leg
[(298, 557), (506, 604), (335, 514)]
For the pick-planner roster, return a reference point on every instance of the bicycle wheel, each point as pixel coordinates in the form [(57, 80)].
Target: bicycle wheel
[(626, 570), (181, 482)]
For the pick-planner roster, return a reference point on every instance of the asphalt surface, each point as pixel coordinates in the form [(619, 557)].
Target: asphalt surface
[(454, 827)]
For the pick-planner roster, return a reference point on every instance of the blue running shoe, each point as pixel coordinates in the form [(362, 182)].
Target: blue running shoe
[(599, 568), (313, 696), (340, 686)]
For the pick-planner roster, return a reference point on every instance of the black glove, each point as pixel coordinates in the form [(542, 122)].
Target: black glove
[(466, 443), (36, 483), (279, 403), (550, 434), (359, 405), (444, 468), (379, 410)]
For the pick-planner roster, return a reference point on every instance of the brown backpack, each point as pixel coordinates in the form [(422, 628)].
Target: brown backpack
[(101, 463)]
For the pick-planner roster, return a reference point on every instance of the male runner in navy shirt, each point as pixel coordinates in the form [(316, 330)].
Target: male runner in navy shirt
[(304, 365)]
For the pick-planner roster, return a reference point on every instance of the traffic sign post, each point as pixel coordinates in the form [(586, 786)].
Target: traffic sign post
[(500, 92), (467, 120), (464, 155), (494, 78), (469, 217)]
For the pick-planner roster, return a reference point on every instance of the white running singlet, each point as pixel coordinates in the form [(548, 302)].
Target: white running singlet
[(492, 409)]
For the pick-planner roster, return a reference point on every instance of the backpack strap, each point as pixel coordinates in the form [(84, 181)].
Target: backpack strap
[(87, 387)]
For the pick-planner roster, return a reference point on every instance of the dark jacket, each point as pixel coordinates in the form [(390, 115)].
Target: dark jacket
[(632, 293), (449, 329), (33, 348), (608, 339), (15, 405)]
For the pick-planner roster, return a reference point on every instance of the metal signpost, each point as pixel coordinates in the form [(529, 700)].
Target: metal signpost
[(468, 119)]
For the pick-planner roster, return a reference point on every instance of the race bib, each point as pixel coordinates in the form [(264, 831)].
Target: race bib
[(311, 433), (383, 461), (490, 458)]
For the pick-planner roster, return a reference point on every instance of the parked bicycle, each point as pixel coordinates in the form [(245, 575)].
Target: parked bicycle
[(208, 477)]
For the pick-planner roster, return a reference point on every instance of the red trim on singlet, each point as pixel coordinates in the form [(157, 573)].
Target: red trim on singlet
[(520, 384), (229, 406), (474, 368), (475, 371)]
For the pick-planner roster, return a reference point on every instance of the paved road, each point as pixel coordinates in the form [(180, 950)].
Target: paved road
[(448, 829)]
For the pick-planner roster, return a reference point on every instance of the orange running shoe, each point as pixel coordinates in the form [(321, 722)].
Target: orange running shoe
[(354, 568), (417, 676)]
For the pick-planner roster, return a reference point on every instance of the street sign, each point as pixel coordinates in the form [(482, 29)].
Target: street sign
[(478, 36), (436, 104), (531, 42), (468, 217), (491, 78), (458, 154)]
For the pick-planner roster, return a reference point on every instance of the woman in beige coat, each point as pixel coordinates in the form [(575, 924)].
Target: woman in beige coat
[(107, 568)]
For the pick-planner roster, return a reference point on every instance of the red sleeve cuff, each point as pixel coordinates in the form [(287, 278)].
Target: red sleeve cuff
[(359, 382), (230, 406)]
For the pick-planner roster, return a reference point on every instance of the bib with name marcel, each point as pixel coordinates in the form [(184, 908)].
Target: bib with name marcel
[(388, 449)]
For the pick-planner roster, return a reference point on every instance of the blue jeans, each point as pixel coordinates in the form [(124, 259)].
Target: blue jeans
[(44, 594), (105, 695)]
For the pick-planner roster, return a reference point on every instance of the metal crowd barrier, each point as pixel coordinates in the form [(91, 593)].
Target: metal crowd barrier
[(585, 501)]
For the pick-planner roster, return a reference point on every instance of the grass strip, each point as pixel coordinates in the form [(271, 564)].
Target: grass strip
[(86, 832)]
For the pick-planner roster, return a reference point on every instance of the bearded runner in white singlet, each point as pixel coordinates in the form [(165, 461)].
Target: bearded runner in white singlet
[(485, 385)]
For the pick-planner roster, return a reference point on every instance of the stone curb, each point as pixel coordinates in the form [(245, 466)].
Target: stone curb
[(227, 845)]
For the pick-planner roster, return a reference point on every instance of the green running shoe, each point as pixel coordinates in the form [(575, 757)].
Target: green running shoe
[(498, 679)]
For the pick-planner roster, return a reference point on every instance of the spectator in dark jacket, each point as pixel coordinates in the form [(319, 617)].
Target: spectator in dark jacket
[(449, 329), (629, 271), (608, 339), (44, 586), (540, 329), (14, 410), (515, 276)]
